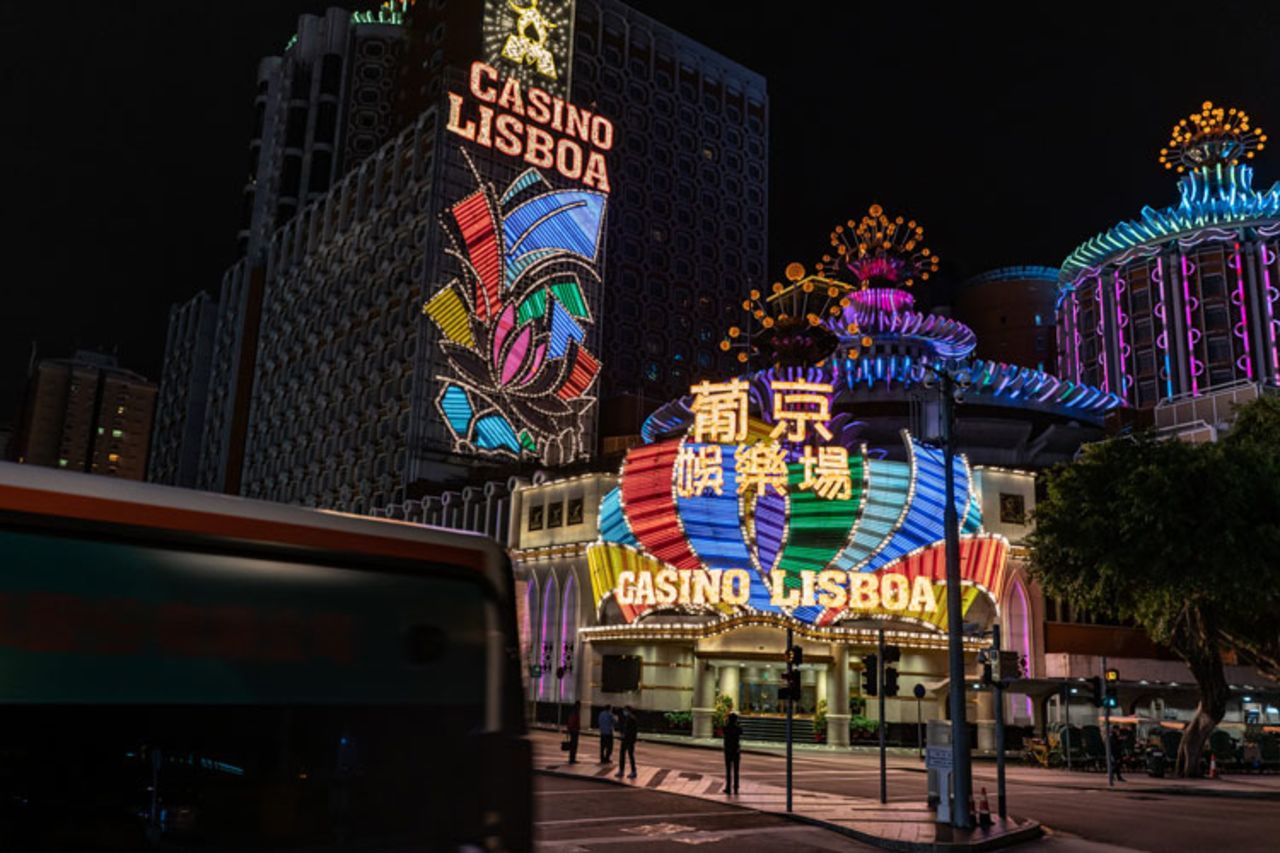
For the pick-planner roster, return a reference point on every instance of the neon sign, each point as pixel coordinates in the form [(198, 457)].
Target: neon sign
[(827, 589), (766, 505), (531, 40), (519, 123), (513, 323)]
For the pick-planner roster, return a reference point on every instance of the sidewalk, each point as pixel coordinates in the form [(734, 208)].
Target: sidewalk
[(1254, 786), (895, 826)]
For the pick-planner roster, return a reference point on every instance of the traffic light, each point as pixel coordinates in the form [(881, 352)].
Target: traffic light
[(892, 654), (1095, 687), (790, 690), (795, 655), (869, 664), (1109, 697), (890, 681)]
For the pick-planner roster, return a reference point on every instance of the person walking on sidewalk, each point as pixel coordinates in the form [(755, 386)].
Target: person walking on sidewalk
[(572, 728), (1116, 749), (732, 754), (630, 730), (605, 724)]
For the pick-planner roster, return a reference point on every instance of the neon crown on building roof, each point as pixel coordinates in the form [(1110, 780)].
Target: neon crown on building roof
[(1216, 188)]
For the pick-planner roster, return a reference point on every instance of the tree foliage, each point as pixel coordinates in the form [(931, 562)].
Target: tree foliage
[(1180, 538)]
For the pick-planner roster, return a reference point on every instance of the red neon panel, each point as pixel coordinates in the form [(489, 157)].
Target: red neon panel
[(982, 560), (650, 504), (479, 232), (584, 370)]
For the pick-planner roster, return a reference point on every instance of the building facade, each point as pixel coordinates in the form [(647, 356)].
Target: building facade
[(340, 286), (1011, 311), (184, 392), (1183, 299), (88, 414), (321, 106)]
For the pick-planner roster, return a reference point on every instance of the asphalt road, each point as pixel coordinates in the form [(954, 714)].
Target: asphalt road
[(574, 816), (1133, 820)]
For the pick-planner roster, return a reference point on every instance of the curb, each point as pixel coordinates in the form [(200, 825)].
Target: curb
[(1029, 831)]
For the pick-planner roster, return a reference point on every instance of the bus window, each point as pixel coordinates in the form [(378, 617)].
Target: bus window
[(231, 701)]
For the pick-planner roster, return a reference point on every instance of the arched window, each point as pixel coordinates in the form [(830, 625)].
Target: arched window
[(1017, 637), (547, 632), (530, 638), (568, 649)]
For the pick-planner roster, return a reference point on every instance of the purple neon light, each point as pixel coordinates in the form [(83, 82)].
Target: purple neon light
[(887, 299), (1122, 322), (1271, 311), (548, 606), (1243, 333), (1101, 331), (1162, 341), (771, 522), (1076, 336), (1191, 341), (1026, 635)]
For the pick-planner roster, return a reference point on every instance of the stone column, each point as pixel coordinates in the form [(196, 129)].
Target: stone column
[(583, 671), (704, 697), (731, 682), (820, 686), (838, 696)]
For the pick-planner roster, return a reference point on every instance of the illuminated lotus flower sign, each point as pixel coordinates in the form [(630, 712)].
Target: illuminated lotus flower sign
[(765, 506), (513, 325)]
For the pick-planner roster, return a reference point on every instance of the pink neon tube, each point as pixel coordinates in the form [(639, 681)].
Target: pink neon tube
[(1191, 343)]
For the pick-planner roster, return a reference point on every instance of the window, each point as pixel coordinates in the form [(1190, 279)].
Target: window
[(555, 515), (1013, 509), (575, 511), (535, 518), (115, 433), (119, 410), (113, 457)]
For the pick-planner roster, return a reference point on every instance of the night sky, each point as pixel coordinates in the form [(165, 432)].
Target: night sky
[(1012, 136)]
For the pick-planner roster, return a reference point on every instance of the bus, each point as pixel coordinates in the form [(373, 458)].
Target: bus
[(182, 670)]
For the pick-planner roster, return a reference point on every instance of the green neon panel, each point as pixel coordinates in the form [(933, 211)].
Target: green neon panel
[(818, 528), (533, 307), (570, 296)]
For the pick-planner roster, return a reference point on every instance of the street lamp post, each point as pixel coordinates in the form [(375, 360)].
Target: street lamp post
[(952, 384)]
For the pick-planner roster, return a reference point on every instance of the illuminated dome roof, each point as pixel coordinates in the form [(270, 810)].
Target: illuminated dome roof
[(1216, 189)]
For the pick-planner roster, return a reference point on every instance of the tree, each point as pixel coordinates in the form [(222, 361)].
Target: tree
[(1179, 538)]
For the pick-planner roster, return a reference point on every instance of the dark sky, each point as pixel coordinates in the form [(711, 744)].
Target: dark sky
[(1012, 136)]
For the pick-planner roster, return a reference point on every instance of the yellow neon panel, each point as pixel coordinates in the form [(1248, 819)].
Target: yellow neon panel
[(451, 316)]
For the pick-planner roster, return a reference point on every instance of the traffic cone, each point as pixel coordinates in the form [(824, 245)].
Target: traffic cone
[(984, 810), (1213, 766)]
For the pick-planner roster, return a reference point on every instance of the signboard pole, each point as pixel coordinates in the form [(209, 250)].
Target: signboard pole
[(919, 693), (791, 704), (960, 817), (884, 789), (1106, 729), (999, 689)]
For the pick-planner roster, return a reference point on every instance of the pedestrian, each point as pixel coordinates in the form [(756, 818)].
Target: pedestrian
[(732, 754), (605, 724), (572, 728), (1116, 748), (630, 730)]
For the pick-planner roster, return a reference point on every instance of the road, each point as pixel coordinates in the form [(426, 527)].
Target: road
[(573, 816), (1079, 819)]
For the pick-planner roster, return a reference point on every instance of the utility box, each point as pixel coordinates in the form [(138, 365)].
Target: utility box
[(938, 763)]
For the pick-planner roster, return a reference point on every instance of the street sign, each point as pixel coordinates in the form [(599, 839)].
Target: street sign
[(1007, 666), (918, 690), (938, 758)]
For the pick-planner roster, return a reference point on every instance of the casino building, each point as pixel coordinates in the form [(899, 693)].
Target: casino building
[(1182, 299), (806, 493)]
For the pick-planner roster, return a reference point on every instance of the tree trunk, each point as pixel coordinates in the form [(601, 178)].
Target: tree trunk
[(1196, 643)]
